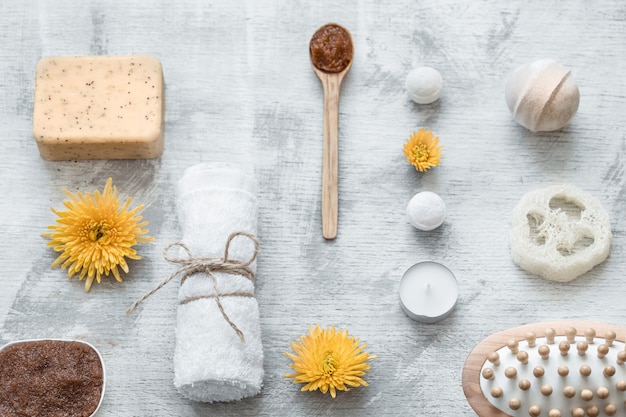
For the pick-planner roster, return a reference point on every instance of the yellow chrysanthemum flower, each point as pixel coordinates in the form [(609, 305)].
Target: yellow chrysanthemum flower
[(328, 360), (422, 150), (95, 234)]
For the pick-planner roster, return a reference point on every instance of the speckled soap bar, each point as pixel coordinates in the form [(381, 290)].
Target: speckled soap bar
[(99, 107)]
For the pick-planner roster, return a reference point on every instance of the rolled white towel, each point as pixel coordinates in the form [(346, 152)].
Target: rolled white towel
[(212, 362)]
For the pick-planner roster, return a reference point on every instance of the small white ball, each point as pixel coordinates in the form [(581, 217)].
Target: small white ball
[(424, 85), (426, 211), (542, 95)]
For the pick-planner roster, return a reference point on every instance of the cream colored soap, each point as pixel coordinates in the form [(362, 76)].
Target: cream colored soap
[(99, 107)]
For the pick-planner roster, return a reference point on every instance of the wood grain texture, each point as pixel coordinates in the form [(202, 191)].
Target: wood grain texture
[(478, 355), (239, 88), (331, 84)]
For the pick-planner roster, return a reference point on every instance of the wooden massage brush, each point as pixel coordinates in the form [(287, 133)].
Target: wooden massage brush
[(552, 369)]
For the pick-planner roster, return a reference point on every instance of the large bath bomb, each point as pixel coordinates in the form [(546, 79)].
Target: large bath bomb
[(542, 95)]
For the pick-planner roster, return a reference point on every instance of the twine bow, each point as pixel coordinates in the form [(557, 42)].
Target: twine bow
[(193, 265)]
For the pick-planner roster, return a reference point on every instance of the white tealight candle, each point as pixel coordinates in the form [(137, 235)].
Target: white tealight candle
[(428, 292)]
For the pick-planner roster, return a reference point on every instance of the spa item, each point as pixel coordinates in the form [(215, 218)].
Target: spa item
[(562, 368), (331, 52), (99, 107), (51, 377), (542, 95), (559, 233), (428, 292), (426, 211), (218, 356), (424, 84)]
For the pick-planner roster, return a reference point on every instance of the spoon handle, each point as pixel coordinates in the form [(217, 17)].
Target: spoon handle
[(330, 159)]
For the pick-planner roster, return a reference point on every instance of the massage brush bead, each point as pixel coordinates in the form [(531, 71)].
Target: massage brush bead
[(534, 411), (585, 370), (610, 337), (524, 384), (494, 358), (602, 393), (546, 390), (515, 404), (610, 409), (569, 391), (510, 372), (586, 395), (544, 351), (496, 392), (603, 350), (593, 411), (579, 381)]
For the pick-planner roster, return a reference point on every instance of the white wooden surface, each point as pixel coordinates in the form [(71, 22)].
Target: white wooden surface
[(240, 87)]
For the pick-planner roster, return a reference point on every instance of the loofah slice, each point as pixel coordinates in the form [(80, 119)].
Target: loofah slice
[(559, 233)]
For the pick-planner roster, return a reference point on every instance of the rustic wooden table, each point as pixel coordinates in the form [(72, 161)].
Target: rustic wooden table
[(239, 87)]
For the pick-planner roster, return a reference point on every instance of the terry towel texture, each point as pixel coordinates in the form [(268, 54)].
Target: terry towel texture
[(211, 363)]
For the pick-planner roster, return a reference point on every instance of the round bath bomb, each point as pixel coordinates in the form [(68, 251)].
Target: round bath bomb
[(559, 233), (426, 211), (542, 95), (424, 85)]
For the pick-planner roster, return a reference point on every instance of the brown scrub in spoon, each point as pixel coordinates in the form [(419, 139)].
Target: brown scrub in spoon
[(331, 48)]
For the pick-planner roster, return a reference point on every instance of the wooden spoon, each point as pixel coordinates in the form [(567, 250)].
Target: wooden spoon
[(331, 51)]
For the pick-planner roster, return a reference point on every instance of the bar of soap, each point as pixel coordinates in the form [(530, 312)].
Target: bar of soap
[(99, 107)]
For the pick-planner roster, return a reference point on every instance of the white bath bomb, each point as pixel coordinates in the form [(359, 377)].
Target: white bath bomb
[(542, 95), (424, 85), (426, 211)]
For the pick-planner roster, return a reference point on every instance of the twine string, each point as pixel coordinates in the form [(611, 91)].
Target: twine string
[(192, 265)]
